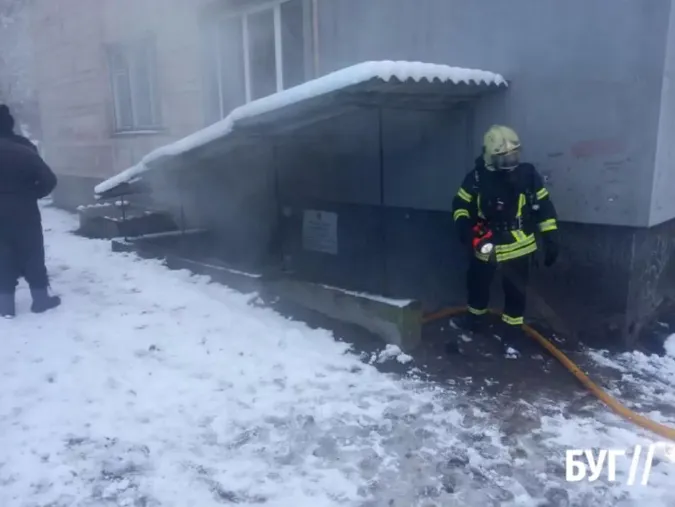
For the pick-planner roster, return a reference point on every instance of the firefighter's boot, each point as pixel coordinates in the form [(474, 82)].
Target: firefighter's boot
[(473, 322), (43, 300), (511, 335), (7, 305), (470, 323)]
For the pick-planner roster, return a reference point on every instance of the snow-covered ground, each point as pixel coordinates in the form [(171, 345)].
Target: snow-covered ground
[(670, 345), (151, 387)]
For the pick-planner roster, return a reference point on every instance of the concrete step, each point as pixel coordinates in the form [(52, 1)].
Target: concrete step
[(108, 223)]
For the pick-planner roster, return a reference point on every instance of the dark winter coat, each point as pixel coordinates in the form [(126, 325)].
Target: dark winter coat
[(23, 141), (24, 178)]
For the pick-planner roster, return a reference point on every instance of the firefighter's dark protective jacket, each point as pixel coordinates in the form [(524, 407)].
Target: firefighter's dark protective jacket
[(513, 204)]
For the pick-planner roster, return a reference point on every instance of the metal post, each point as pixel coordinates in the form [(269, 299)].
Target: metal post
[(278, 235), (315, 37), (383, 213), (124, 217), (181, 188)]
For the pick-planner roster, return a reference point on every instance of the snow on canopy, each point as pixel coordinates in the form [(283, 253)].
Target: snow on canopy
[(360, 73)]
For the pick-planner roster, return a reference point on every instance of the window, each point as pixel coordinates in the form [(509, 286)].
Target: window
[(256, 53), (134, 86), (225, 82), (292, 27), (262, 58)]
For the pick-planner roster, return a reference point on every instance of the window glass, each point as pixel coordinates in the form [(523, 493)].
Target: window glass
[(262, 60), (293, 43)]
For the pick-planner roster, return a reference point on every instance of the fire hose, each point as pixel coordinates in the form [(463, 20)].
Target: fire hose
[(482, 243), (603, 396)]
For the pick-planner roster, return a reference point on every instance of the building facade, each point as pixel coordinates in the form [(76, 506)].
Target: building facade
[(591, 93), (114, 79)]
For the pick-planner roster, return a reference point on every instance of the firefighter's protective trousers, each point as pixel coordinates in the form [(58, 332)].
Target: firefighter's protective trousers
[(515, 277)]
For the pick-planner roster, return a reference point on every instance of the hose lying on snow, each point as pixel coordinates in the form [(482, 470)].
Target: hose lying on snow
[(615, 405)]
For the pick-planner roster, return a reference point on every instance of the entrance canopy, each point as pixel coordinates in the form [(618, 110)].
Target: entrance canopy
[(384, 84)]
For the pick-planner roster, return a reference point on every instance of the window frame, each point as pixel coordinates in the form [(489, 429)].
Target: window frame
[(243, 14), (142, 49)]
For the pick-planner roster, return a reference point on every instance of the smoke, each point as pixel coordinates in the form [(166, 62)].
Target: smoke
[(108, 98), (16, 80), (232, 192)]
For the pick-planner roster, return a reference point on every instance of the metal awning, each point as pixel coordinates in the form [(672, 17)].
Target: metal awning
[(390, 85)]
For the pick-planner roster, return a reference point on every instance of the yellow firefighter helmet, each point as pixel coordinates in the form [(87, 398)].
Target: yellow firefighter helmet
[(501, 148)]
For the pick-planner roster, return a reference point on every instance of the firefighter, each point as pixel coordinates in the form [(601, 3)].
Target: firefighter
[(499, 207)]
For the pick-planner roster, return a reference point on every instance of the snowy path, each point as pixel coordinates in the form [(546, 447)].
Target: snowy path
[(152, 387)]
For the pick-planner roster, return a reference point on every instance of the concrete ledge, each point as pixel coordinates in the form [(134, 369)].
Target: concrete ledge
[(235, 279), (397, 322), (238, 280)]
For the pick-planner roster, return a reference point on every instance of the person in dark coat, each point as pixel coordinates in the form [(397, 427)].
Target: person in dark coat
[(7, 128), (24, 179)]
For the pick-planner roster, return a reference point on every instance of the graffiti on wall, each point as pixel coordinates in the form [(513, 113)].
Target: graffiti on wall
[(598, 147)]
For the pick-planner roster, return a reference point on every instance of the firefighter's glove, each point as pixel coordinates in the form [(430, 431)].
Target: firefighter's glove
[(551, 250), (464, 232)]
